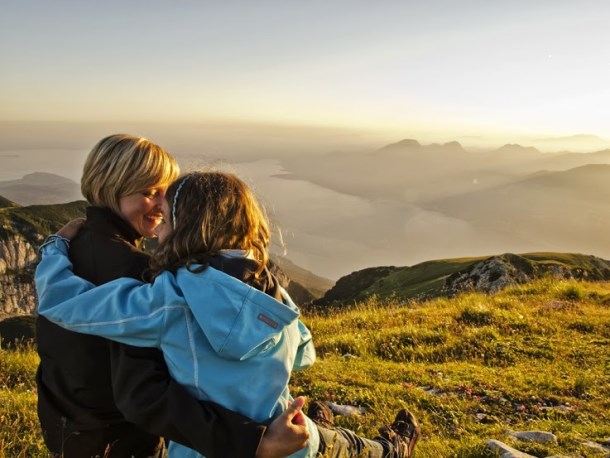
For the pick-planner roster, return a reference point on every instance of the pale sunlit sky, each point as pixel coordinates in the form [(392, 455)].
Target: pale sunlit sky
[(433, 68)]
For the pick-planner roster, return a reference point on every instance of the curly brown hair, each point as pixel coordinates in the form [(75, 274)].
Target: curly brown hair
[(213, 211)]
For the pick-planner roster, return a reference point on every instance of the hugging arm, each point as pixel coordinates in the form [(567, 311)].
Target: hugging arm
[(205, 426), (158, 404), (125, 310), (306, 353)]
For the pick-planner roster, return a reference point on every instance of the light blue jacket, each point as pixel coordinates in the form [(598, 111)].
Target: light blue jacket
[(222, 339)]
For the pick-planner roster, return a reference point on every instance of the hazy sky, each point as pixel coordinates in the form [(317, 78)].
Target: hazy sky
[(431, 68)]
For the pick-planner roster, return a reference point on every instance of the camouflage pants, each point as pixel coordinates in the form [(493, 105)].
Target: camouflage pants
[(343, 443)]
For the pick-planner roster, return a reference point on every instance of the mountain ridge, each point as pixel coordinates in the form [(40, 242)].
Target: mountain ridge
[(450, 277), (41, 188)]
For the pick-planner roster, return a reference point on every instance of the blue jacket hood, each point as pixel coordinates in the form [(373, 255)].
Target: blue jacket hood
[(238, 320)]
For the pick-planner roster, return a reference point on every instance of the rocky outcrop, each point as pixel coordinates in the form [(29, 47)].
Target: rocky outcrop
[(17, 262), (16, 253), (22, 230), (17, 294), (490, 275), (498, 272)]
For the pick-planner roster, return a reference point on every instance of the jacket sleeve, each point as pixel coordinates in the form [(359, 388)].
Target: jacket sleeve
[(306, 353), (156, 403), (125, 310)]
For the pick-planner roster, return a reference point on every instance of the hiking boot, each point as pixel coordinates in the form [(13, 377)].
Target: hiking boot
[(321, 414), (403, 434)]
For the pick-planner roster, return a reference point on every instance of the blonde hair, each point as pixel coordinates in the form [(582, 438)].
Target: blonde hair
[(120, 165), (213, 211)]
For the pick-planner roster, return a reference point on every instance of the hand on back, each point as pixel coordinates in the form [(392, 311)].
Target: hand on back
[(286, 434), (71, 228)]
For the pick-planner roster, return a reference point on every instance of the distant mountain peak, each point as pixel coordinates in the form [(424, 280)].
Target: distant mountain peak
[(454, 146), (413, 145), (40, 188), (401, 145), (45, 178), (516, 148)]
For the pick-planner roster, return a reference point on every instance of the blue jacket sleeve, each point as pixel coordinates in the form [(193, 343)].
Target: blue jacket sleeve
[(125, 310), (306, 353)]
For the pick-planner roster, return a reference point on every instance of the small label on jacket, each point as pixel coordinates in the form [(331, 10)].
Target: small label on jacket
[(265, 319)]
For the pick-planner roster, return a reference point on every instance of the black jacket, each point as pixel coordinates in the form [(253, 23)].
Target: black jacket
[(243, 269), (88, 383)]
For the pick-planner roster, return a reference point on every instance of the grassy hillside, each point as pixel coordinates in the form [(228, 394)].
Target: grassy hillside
[(533, 357), (4, 202), (36, 221), (426, 280)]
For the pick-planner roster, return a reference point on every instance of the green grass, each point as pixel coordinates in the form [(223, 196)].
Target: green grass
[(33, 220), (424, 278), (20, 435), (471, 368)]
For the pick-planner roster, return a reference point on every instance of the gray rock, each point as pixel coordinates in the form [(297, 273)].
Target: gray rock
[(565, 456), (504, 451), (597, 447), (17, 261), (541, 437), (16, 253), (498, 272), (341, 409)]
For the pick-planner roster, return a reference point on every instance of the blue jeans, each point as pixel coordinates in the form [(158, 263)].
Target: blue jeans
[(343, 443)]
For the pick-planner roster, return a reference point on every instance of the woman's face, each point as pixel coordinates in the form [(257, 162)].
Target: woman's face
[(143, 210), (165, 228)]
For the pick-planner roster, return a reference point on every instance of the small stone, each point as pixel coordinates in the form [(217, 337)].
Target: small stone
[(595, 446), (564, 456), (504, 451), (341, 409), (541, 437)]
